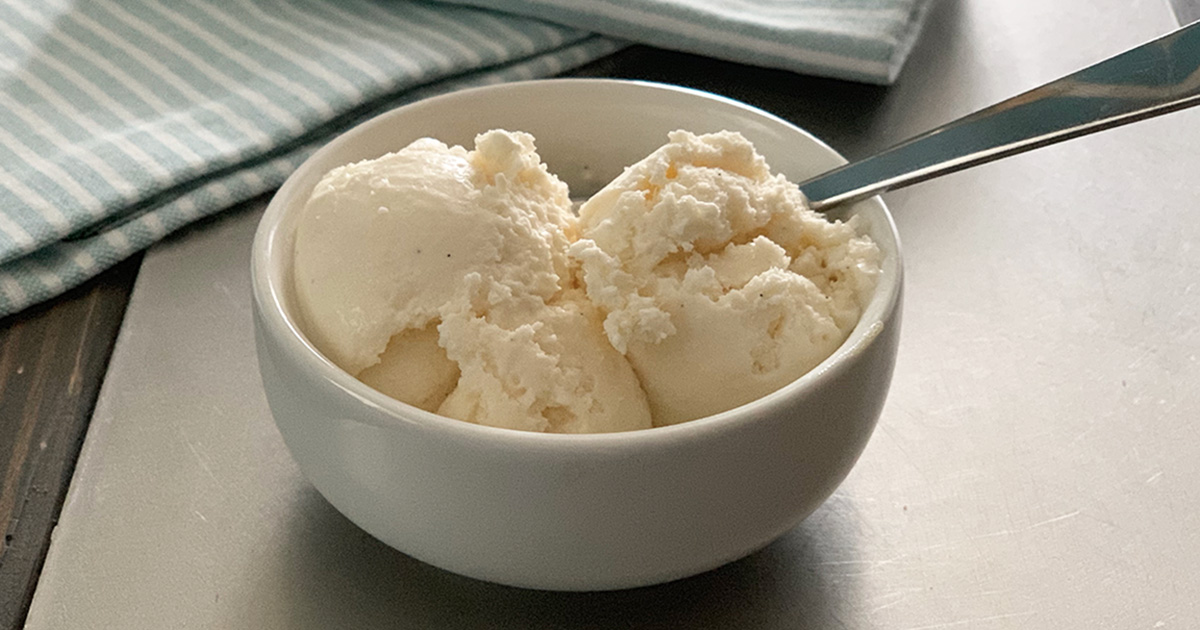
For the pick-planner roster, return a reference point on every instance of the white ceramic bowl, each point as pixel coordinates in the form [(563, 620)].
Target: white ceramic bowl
[(571, 512)]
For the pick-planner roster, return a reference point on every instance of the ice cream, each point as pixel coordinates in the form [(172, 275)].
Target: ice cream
[(441, 277), (718, 283), (540, 366), (462, 283)]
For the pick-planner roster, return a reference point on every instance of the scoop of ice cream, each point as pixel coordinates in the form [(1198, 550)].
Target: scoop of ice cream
[(716, 280), (535, 366), (441, 278), (414, 369), (382, 244)]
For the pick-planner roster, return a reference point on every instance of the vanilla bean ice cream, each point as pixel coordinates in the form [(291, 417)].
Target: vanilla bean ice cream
[(441, 277), (462, 283), (719, 284)]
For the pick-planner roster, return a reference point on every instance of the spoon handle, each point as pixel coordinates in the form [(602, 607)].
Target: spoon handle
[(1155, 78)]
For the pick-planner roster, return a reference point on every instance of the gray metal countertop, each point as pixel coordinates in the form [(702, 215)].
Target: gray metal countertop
[(1037, 463)]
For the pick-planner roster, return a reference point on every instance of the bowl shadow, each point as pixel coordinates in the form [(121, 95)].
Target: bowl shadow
[(339, 576)]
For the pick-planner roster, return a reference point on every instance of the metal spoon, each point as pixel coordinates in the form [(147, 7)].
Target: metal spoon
[(1155, 78)]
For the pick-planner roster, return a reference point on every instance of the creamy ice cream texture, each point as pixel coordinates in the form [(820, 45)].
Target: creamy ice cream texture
[(441, 277), (461, 282), (718, 283)]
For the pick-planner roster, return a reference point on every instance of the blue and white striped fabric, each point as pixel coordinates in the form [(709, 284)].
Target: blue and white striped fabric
[(860, 40), (124, 120)]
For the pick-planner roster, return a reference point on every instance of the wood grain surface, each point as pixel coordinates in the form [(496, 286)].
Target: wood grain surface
[(52, 362)]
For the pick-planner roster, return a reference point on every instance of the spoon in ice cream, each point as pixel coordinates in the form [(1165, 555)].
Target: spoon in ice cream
[(1155, 78)]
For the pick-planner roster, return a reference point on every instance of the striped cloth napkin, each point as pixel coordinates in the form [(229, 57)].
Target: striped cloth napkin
[(124, 120), (860, 40)]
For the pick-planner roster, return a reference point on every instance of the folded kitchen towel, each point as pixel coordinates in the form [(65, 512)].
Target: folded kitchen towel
[(860, 40), (124, 120)]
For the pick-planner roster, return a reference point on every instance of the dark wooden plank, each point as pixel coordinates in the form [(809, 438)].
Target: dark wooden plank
[(52, 361)]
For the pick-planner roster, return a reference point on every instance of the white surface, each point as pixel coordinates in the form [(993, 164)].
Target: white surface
[(563, 511), (1037, 464)]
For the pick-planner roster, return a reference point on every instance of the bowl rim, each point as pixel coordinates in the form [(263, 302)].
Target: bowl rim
[(279, 324)]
